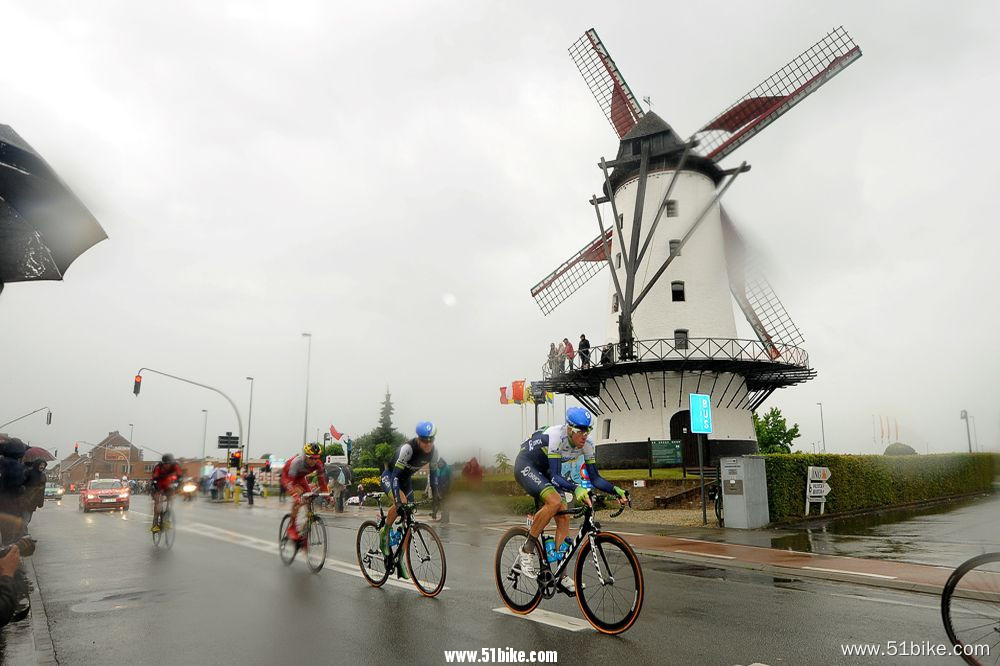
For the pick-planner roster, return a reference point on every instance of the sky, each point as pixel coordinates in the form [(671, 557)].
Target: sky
[(394, 177)]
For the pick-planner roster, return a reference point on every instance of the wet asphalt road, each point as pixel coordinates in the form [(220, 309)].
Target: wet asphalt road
[(223, 596)]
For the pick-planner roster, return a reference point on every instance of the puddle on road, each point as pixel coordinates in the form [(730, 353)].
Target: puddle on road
[(113, 601)]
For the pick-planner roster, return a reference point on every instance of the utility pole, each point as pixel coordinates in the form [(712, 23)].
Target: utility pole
[(965, 417), (821, 426)]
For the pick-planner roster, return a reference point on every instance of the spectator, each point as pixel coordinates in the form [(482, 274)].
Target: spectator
[(34, 489), (9, 595), (561, 358), (473, 472), (607, 354), (361, 494), (251, 481), (584, 348), (441, 494), (570, 354), (553, 358), (13, 476)]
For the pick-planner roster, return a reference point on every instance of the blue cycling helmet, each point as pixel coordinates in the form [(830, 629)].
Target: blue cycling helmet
[(426, 430), (579, 418)]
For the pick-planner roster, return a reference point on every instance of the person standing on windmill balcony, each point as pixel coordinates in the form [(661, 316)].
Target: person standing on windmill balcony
[(553, 358), (561, 358), (570, 354), (584, 348)]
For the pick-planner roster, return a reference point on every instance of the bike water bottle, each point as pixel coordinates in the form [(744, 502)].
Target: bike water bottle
[(564, 547), (550, 549), (395, 537)]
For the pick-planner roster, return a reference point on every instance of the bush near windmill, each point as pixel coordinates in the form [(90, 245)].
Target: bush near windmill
[(864, 483)]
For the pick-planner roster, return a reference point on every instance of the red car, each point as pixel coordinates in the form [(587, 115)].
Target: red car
[(104, 494)]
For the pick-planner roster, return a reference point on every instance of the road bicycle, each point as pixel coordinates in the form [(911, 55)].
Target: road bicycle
[(312, 537), (970, 608), (715, 495), (165, 519), (425, 558), (607, 574)]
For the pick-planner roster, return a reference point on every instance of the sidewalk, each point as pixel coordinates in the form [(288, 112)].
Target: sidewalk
[(28, 641)]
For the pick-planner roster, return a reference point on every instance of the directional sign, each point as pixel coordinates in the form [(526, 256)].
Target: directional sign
[(819, 489), (229, 441), (701, 413), (819, 474)]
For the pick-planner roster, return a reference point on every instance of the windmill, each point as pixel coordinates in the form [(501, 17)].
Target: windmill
[(678, 336)]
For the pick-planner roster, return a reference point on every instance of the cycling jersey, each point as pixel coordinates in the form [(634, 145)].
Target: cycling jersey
[(409, 459), (164, 475), (295, 473), (539, 464)]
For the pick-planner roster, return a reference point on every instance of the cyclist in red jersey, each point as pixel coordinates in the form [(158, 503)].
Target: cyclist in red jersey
[(294, 481), (165, 476)]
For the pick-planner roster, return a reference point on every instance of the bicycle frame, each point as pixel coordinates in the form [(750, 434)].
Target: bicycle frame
[(405, 514)]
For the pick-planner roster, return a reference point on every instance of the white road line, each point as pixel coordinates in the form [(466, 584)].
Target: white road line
[(879, 600), (628, 533), (718, 557), (237, 539), (548, 617), (850, 573)]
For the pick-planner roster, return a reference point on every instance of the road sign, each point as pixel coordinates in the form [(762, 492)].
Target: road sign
[(701, 413), (229, 441), (666, 451), (336, 459), (819, 489), (819, 474)]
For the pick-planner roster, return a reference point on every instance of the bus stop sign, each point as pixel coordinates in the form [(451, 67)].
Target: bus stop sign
[(701, 413)]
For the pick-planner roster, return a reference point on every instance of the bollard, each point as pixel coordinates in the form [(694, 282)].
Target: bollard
[(236, 495)]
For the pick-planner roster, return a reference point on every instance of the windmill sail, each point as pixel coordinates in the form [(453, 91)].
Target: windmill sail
[(760, 305), (572, 274), (777, 94), (605, 82)]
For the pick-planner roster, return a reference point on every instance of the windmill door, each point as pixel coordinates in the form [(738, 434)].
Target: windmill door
[(680, 429)]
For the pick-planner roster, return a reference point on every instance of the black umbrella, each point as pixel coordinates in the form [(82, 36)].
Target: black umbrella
[(43, 226)]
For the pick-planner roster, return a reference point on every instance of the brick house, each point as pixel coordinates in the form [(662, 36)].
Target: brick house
[(112, 458)]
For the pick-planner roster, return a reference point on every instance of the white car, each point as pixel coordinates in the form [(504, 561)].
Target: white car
[(354, 501)]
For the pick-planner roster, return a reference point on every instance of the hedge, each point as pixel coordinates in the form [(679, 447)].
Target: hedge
[(871, 482)]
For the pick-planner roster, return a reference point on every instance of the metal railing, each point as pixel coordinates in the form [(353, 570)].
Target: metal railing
[(667, 349)]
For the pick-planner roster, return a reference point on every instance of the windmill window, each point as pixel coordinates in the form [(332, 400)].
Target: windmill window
[(606, 429), (677, 291), (681, 338), (621, 220), (675, 247), (637, 147), (614, 302), (671, 208), (618, 260)]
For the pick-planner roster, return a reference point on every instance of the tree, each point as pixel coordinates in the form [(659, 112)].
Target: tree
[(333, 450), (502, 463), (899, 449), (773, 433), (364, 451)]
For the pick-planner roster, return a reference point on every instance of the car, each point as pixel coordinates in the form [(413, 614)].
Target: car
[(104, 494), (354, 501), (53, 491)]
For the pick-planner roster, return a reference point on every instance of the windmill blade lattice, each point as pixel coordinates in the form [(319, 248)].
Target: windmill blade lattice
[(571, 274), (777, 94), (605, 82)]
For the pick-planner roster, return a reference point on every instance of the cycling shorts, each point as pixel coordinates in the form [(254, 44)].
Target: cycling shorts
[(403, 485), (534, 481)]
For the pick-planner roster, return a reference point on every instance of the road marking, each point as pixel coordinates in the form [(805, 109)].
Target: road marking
[(629, 533), (237, 539), (548, 617), (860, 597), (851, 573), (719, 557)]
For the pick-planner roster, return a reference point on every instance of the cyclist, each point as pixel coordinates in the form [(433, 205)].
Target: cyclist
[(412, 456), (294, 481), (164, 479), (538, 468)]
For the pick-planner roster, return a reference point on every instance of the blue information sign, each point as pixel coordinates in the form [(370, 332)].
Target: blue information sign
[(701, 413)]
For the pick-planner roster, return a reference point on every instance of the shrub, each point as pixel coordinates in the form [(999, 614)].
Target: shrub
[(872, 482)]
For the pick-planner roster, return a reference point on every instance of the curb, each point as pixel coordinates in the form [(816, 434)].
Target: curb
[(794, 572), (44, 650)]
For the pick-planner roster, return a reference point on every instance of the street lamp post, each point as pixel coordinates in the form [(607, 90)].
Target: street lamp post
[(204, 435), (965, 417), (305, 425), (821, 426), (48, 417), (246, 452)]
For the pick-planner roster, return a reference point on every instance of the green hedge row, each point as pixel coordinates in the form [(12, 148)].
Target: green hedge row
[(872, 482)]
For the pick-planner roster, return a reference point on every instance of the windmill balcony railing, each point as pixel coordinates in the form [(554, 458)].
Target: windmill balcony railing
[(672, 349)]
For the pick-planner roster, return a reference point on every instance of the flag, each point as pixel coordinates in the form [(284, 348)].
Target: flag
[(503, 396), (336, 435), (550, 397), (528, 395), (517, 391)]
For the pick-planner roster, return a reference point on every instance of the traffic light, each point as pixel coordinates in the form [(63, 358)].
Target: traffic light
[(267, 466), (76, 449), (234, 459), (137, 385)]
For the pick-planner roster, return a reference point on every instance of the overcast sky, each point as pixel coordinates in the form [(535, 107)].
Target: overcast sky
[(393, 178)]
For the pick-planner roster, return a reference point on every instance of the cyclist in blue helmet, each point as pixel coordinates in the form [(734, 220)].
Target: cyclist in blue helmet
[(411, 456), (538, 468)]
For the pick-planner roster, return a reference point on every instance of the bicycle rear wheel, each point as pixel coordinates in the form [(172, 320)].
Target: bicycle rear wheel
[(519, 593), (970, 607), (425, 559), (720, 513), (316, 546), (286, 547), (609, 583), (370, 557), (167, 528)]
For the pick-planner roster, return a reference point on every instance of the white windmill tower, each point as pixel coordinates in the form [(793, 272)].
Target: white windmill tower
[(677, 335)]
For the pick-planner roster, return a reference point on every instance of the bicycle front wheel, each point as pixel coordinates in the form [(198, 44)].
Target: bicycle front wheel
[(720, 514), (425, 560), (316, 546), (609, 583), (286, 547), (970, 607), (370, 557), (520, 593), (167, 528)]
